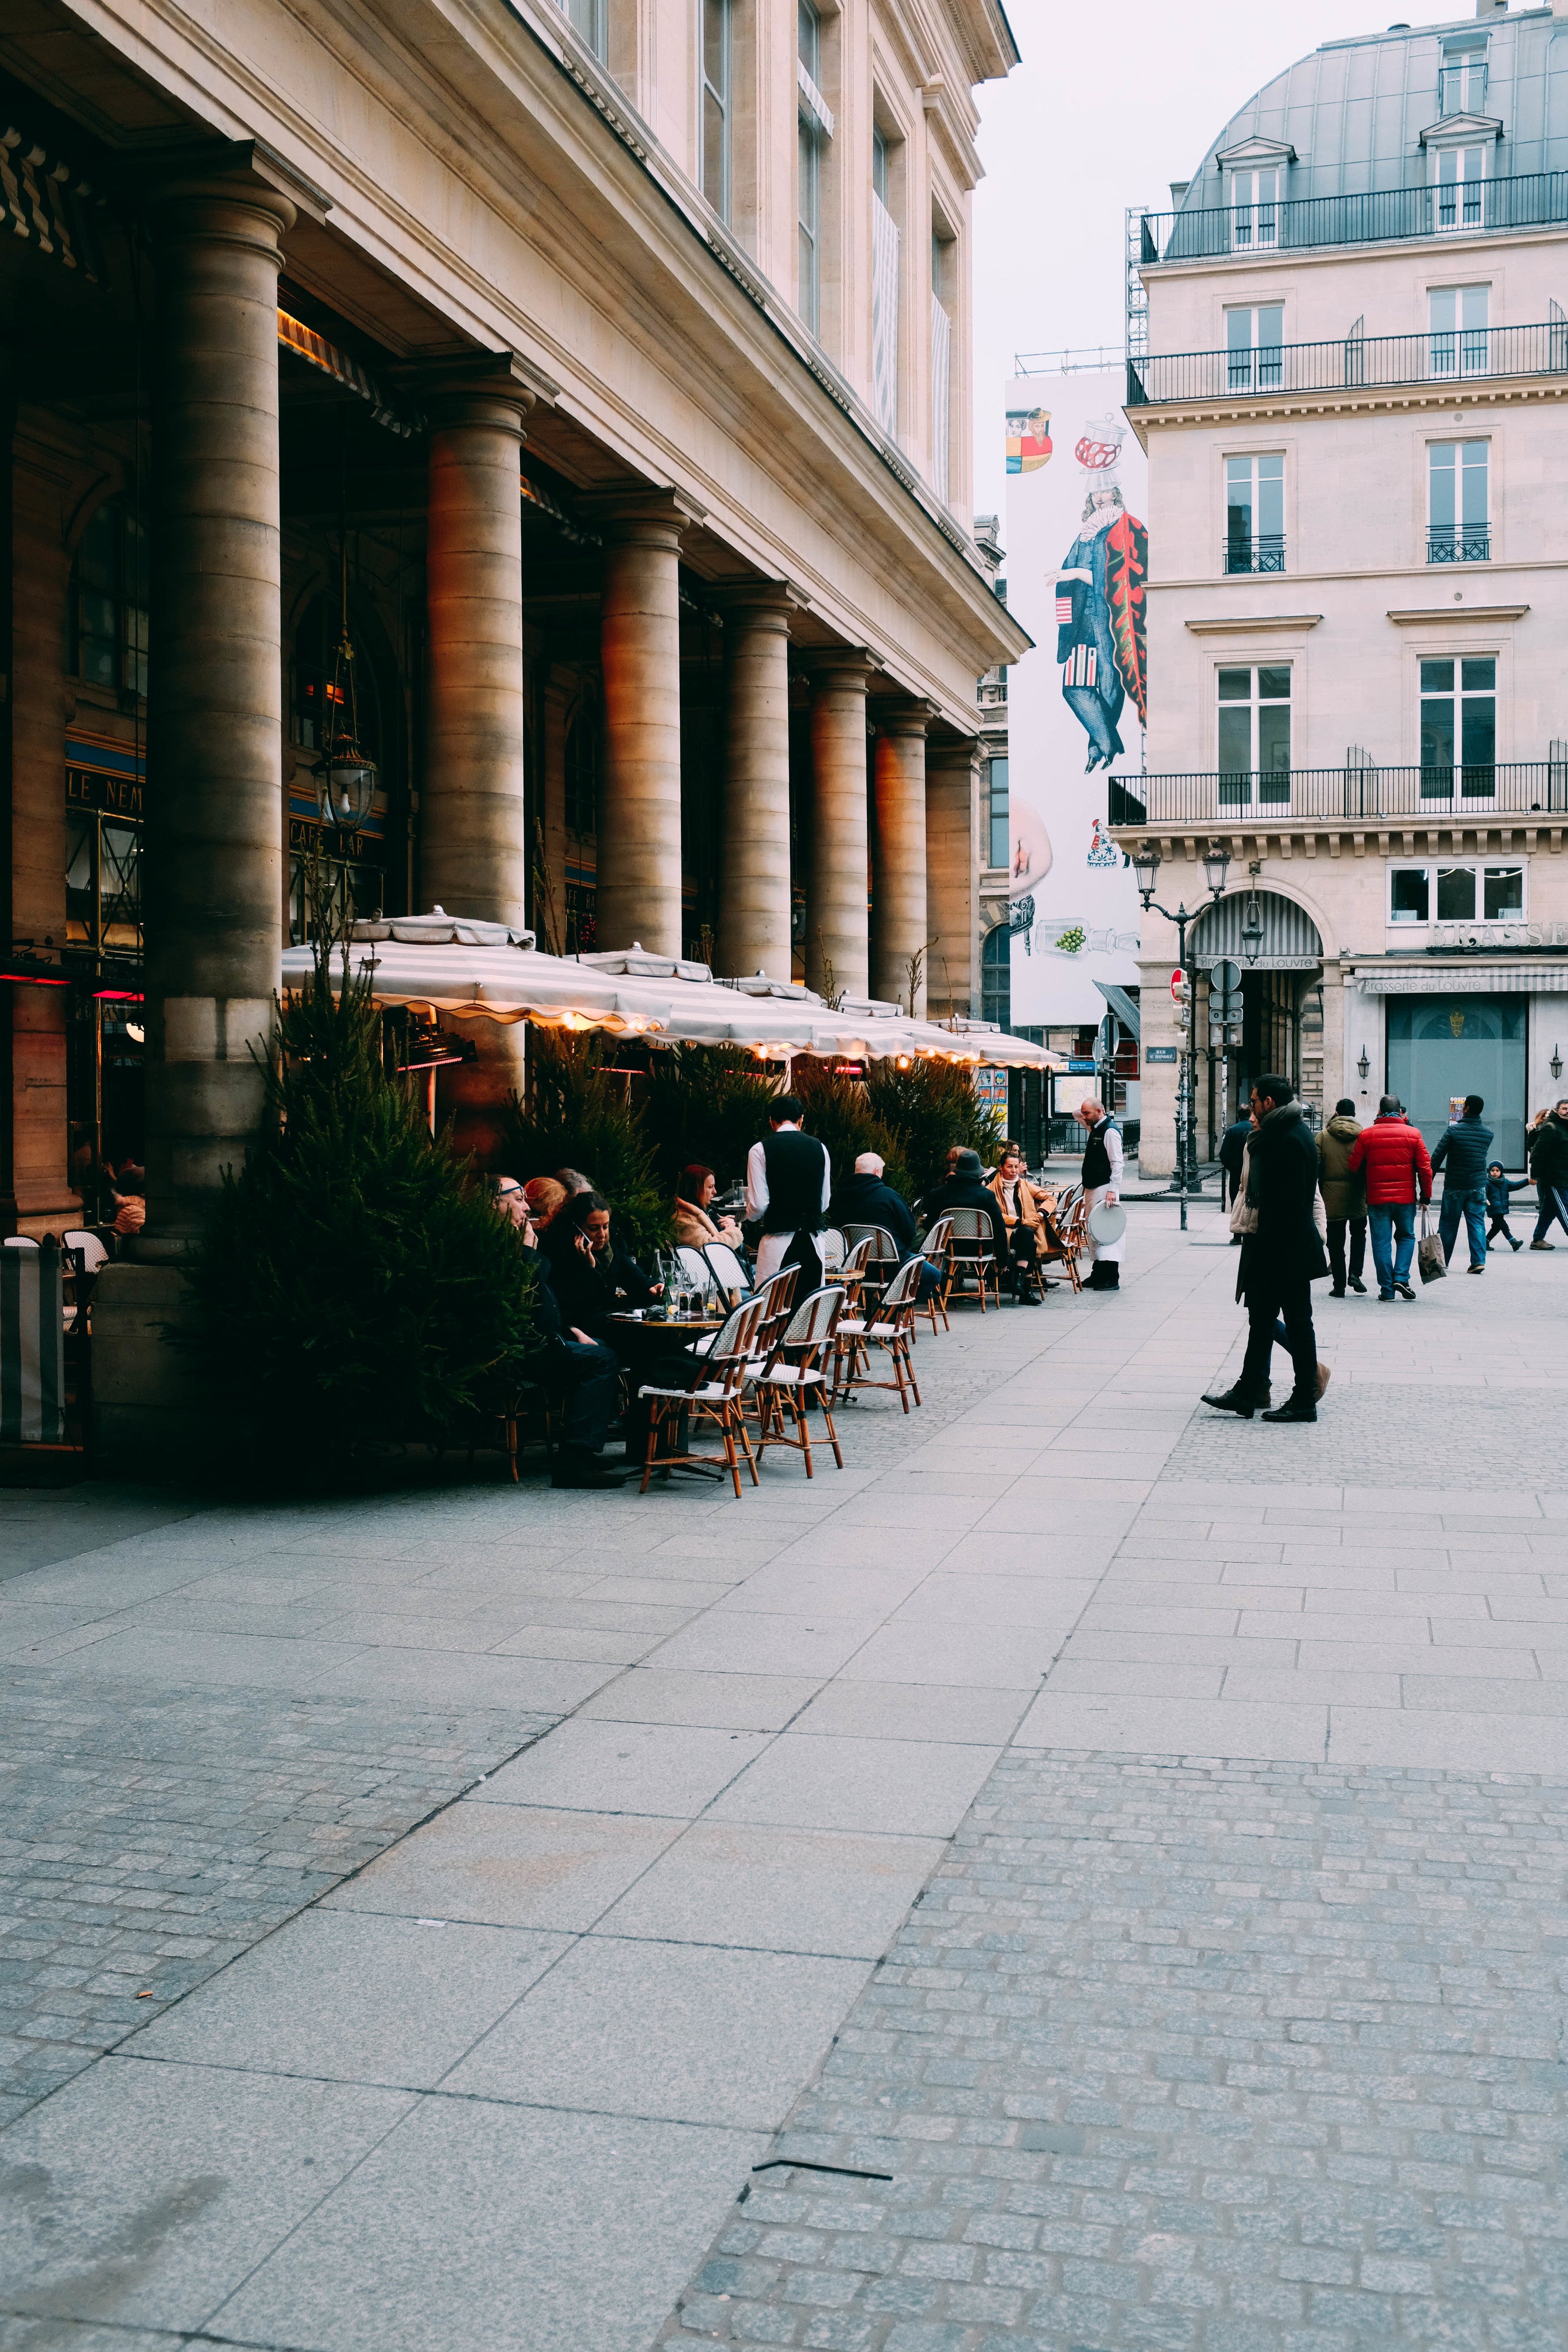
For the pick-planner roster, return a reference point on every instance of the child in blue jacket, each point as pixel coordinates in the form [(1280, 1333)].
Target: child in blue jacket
[(1498, 1187)]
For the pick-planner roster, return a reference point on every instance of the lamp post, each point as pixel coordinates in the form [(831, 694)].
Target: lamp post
[(1216, 866)]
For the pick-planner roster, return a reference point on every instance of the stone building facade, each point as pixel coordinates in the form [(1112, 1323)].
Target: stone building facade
[(603, 372), (1351, 400)]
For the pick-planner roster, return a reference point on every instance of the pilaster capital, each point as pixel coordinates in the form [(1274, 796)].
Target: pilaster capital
[(764, 604), (840, 669), (191, 191), (646, 517), (904, 717), (499, 389)]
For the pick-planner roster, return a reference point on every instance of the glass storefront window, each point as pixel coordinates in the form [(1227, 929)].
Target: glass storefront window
[(1444, 1046)]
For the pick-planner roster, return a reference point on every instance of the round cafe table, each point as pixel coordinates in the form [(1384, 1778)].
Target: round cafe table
[(654, 1353)]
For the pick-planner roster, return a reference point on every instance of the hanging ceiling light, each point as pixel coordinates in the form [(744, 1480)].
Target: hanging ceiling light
[(1252, 927), (345, 774)]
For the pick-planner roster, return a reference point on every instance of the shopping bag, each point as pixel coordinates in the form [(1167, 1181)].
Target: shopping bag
[(1429, 1255)]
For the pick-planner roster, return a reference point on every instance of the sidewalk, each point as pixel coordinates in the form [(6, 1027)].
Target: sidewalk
[(1223, 1768)]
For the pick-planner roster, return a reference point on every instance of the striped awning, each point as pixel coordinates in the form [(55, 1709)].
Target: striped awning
[(1525, 978), (1289, 943), (306, 343)]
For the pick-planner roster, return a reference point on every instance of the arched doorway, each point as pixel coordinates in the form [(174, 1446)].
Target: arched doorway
[(1280, 1003)]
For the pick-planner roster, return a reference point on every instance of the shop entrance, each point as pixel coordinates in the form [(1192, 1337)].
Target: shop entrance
[(1441, 1048)]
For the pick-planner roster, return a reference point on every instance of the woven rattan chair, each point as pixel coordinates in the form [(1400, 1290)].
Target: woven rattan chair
[(793, 1377), (972, 1255), (893, 1331), (936, 1249), (727, 1271), (719, 1382), (881, 1260)]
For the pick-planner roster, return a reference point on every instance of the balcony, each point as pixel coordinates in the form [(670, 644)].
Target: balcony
[(1380, 216), (1352, 364), (1450, 543), (1264, 552), (1343, 795)]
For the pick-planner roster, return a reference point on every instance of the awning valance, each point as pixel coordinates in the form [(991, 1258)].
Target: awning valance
[(1467, 979)]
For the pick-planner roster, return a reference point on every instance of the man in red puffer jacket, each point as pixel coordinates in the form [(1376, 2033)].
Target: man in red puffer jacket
[(1399, 1166)]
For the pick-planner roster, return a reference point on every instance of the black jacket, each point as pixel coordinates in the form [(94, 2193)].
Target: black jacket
[(587, 1290), (1286, 1248), (1233, 1143), (1462, 1152), (967, 1193), (872, 1200), (1549, 1153)]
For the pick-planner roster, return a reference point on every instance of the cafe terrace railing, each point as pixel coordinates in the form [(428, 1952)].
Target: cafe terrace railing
[(1378, 217), (1460, 355), (1345, 795)]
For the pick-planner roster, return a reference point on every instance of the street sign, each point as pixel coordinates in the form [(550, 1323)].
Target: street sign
[(1080, 1069), (1225, 979), (1179, 985), (1160, 1054)]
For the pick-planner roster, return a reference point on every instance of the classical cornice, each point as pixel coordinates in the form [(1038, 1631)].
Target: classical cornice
[(1444, 615), (1231, 624)]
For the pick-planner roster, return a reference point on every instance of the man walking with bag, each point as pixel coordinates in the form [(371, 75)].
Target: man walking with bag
[(1345, 1195), (1398, 1167), (1282, 1256), (1462, 1155)]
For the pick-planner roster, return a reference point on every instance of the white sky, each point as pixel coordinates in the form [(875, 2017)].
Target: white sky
[(1103, 112)]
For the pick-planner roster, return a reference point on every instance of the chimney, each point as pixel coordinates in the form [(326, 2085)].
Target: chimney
[(1491, 8)]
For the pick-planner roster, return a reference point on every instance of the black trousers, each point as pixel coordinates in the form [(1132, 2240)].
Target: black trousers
[(1336, 1247), (1499, 1226), (1290, 1302)]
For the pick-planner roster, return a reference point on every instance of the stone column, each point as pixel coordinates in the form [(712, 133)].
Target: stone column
[(837, 950), (39, 1019), (638, 894), (214, 877), (475, 852), (755, 901), (953, 877), (898, 933)]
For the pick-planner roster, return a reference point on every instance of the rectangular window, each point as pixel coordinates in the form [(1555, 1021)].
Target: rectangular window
[(1455, 894), (1407, 894), (1252, 342), (1458, 727), (885, 242), (1001, 846), (1255, 513), (1254, 219), (809, 173), (941, 365), (1255, 736), (1458, 321), (1458, 181), (1462, 77), (1458, 524), (1503, 894), (590, 20), (715, 157)]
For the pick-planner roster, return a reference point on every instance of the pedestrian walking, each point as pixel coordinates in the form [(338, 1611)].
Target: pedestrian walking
[(1399, 1171), (1244, 1220), (1549, 1166), (1232, 1145), (1343, 1194), (1283, 1255), (1461, 1154), (1499, 1189), (1103, 1161)]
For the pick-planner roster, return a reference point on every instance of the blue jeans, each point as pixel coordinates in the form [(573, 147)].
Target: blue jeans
[(1470, 1204), (1388, 1221)]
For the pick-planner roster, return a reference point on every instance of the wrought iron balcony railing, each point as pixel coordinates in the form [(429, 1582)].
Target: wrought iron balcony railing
[(1350, 365), (1264, 552), (1379, 217), (1449, 543), (1213, 796)]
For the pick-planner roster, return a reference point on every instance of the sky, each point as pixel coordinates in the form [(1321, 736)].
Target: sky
[(1103, 112)]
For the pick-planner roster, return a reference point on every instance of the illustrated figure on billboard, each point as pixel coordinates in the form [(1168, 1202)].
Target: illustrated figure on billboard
[(1029, 439), (1029, 864), (1100, 601)]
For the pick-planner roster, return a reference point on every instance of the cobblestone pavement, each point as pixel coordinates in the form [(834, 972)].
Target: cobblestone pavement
[(1138, 1834), (1186, 2055)]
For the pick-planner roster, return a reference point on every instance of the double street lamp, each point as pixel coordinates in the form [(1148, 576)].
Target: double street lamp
[(1215, 866)]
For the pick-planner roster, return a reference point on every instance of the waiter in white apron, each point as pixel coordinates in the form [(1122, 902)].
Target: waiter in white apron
[(1101, 1184), (789, 1181)]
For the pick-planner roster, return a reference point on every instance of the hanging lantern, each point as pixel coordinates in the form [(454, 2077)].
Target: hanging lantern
[(345, 774)]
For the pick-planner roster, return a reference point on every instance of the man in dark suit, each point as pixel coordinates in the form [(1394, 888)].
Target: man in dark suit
[(1282, 1256)]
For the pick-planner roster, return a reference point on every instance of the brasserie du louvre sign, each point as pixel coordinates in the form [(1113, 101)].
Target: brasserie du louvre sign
[(1539, 965)]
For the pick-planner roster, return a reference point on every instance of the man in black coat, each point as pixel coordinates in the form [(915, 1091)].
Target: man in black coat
[(966, 1188), (1282, 1256), (868, 1199)]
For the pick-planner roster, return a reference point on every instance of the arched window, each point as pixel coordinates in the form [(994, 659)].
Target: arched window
[(108, 601), (996, 976)]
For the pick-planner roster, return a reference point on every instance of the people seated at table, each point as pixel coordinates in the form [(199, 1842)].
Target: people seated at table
[(591, 1276), (545, 1197), (587, 1374), (572, 1179), (868, 1199), (1030, 1230), (695, 1188), (966, 1188)]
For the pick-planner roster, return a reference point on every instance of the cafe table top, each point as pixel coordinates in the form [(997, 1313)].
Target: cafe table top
[(672, 1322)]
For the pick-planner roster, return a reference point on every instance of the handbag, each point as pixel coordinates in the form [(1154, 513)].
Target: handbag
[(1429, 1255)]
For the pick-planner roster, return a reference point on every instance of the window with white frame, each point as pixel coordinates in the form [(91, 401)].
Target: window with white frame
[(1254, 214), (809, 173), (884, 288), (1458, 727), (1255, 513), (714, 158), (1458, 512), (1462, 77), (590, 20), (1001, 846), (1459, 187), (1457, 316), (1254, 362), (1470, 891), (1254, 735)]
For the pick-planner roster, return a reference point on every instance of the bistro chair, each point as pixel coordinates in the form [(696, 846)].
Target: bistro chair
[(855, 1270), (882, 1259), (830, 1248), (1058, 1251), (936, 1249), (972, 1255), (776, 1297), (893, 1331), (694, 1265), (716, 1398), (793, 1375), (727, 1272)]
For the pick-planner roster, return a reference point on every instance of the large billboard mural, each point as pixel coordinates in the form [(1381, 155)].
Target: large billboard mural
[(1077, 569)]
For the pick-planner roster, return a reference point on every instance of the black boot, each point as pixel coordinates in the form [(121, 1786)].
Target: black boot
[(1296, 1407), (576, 1466), (1237, 1399)]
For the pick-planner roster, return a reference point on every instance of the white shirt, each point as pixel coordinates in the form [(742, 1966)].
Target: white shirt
[(757, 1174)]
